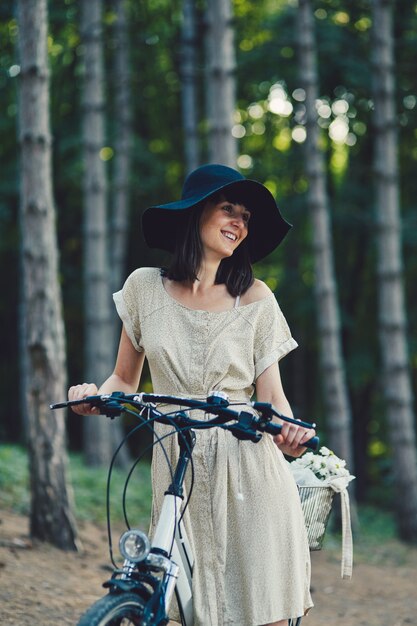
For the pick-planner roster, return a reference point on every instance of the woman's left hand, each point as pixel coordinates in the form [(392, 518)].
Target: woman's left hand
[(269, 389), (290, 440)]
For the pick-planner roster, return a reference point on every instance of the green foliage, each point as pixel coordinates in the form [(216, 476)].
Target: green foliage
[(270, 151), (375, 525), (89, 486), (14, 476), (374, 539)]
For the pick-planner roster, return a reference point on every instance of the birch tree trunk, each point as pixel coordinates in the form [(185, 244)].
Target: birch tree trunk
[(122, 147), (44, 381), (338, 415), (97, 298), (221, 82), (189, 85), (396, 381), (118, 238)]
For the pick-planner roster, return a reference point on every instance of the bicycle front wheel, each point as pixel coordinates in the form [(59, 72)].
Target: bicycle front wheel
[(124, 609)]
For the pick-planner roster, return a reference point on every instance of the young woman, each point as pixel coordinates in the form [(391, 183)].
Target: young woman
[(205, 324)]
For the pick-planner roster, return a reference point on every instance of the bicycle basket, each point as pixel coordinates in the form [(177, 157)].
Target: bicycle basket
[(316, 503)]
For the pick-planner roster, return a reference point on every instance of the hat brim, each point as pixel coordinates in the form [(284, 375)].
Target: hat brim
[(267, 227)]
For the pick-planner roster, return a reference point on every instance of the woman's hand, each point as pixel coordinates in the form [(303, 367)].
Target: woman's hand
[(290, 440), (269, 389), (78, 392)]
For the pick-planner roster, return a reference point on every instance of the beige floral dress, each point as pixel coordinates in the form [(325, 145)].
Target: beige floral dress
[(244, 520)]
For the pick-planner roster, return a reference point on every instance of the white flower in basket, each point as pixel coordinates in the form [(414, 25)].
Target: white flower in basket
[(318, 477), (320, 469)]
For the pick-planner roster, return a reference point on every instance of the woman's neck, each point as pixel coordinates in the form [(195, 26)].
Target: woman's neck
[(203, 293), (206, 277)]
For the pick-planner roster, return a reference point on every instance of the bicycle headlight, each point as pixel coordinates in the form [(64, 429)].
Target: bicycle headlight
[(134, 545)]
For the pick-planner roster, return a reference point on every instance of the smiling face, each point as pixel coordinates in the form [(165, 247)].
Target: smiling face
[(223, 227)]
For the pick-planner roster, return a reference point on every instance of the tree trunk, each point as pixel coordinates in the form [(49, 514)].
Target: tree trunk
[(97, 298), (189, 85), (338, 414), (121, 182), (122, 147), (44, 381), (396, 381), (221, 82)]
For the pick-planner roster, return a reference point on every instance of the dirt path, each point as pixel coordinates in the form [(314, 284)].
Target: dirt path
[(41, 586)]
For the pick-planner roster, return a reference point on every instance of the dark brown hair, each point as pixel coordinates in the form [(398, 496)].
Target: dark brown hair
[(234, 271)]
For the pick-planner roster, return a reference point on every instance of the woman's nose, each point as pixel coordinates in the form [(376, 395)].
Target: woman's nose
[(238, 219)]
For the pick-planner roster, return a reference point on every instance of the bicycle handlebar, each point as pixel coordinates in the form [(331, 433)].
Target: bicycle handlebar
[(247, 426)]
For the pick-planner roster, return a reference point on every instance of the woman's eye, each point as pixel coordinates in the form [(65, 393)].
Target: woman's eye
[(230, 209)]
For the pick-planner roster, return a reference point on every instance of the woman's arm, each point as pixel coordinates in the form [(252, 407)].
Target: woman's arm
[(269, 389), (125, 377)]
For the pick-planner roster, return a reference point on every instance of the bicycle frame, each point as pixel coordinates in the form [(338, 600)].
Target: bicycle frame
[(171, 538), (170, 551), (143, 589)]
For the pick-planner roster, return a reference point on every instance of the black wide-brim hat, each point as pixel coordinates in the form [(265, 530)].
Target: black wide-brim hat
[(267, 228)]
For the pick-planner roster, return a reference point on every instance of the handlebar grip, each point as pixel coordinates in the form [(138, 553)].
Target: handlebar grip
[(59, 405), (313, 443), (65, 405), (275, 429), (108, 405)]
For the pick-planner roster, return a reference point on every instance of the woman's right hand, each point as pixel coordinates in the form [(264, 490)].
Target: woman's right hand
[(78, 392)]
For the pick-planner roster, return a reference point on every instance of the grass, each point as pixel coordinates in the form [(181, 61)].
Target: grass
[(14, 492), (373, 525), (374, 537), (88, 484)]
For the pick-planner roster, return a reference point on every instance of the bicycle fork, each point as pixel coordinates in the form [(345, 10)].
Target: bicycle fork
[(170, 537)]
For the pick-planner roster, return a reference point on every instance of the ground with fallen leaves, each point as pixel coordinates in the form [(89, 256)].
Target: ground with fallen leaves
[(42, 586)]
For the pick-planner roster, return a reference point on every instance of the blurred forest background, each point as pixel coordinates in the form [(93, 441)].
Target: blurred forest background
[(300, 82)]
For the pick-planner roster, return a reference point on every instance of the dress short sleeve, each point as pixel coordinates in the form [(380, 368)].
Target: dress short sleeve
[(273, 339), (127, 302)]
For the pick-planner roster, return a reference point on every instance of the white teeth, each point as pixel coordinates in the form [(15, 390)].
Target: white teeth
[(229, 236)]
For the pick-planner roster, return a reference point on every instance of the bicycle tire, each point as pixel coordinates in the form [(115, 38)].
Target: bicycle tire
[(122, 609)]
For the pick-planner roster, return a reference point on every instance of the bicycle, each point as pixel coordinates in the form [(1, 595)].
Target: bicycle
[(140, 593)]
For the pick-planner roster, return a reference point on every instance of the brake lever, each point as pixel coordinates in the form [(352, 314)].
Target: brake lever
[(111, 409), (268, 411), (243, 429), (107, 403)]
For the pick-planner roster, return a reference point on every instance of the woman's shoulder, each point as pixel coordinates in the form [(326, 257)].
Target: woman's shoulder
[(256, 292), (145, 272), (143, 276), (139, 290)]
